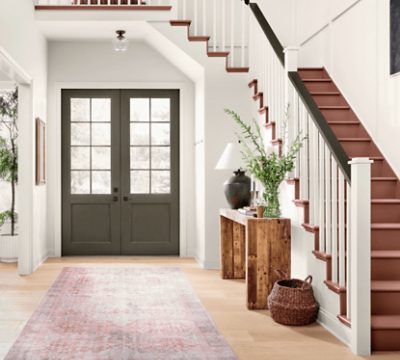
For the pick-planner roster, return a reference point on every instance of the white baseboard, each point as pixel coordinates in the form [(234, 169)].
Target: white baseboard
[(334, 326), (208, 265), (42, 259)]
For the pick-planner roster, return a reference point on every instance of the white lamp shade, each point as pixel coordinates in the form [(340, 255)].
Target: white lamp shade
[(231, 158)]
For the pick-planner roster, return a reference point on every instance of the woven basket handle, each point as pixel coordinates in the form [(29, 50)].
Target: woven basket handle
[(307, 280), (281, 274)]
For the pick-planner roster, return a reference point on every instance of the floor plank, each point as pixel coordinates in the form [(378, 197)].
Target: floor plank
[(252, 334)]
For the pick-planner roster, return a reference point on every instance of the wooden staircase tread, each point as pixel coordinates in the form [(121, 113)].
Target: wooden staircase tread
[(325, 93), (198, 38), (335, 287), (385, 254), (253, 82), (338, 122), (385, 322), (385, 201), (385, 286), (384, 178), (237, 69), (218, 53), (311, 68), (355, 139), (334, 107), (385, 226), (317, 80), (180, 22)]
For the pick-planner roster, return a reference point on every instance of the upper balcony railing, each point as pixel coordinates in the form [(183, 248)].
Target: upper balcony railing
[(103, 4)]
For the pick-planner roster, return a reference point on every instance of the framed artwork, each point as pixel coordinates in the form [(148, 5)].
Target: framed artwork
[(40, 152), (394, 36)]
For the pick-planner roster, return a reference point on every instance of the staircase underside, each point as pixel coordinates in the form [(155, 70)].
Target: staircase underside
[(385, 208)]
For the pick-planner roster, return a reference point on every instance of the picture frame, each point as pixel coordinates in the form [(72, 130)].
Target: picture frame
[(394, 37), (40, 152)]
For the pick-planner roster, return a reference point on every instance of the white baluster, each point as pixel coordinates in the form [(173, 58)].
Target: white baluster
[(243, 8), (214, 25), (232, 55), (313, 183), (342, 232), (223, 21), (334, 224), (184, 9), (315, 174), (321, 194), (204, 2), (195, 18), (348, 249), (328, 200)]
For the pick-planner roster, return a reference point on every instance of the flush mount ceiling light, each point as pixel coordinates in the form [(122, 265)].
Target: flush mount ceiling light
[(120, 43)]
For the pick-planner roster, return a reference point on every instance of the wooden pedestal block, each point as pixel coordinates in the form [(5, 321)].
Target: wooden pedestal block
[(253, 249)]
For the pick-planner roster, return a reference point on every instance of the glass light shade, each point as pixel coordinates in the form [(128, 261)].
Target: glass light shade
[(231, 158), (120, 44)]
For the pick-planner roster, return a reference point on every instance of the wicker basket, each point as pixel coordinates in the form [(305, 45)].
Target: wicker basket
[(292, 301)]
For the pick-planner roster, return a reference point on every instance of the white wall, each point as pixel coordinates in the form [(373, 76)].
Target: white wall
[(354, 48), (141, 66), (21, 39)]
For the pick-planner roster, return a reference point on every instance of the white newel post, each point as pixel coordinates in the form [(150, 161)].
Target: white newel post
[(360, 256)]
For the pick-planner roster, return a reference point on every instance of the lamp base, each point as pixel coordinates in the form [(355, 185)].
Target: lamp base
[(237, 190)]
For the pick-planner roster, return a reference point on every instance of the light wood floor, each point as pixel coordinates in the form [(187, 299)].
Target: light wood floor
[(252, 334)]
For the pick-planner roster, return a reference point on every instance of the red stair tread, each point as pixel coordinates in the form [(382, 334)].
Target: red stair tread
[(334, 107), (385, 201), (358, 139), (385, 286), (317, 80), (385, 254), (325, 93), (385, 226), (389, 322)]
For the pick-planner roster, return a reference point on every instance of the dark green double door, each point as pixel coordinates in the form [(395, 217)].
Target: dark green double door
[(120, 167)]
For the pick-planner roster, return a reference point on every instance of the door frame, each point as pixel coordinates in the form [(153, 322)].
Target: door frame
[(186, 156)]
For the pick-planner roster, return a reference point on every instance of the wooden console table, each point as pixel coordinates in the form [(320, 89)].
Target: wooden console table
[(252, 249)]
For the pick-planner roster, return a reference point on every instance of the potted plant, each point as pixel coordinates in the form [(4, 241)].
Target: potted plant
[(265, 164), (9, 172)]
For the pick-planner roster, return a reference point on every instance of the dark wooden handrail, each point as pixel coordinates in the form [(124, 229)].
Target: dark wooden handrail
[(319, 120)]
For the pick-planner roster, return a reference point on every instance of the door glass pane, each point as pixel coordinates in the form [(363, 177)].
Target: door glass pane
[(140, 110), (80, 110), (101, 110), (101, 134), (101, 158), (80, 158), (160, 134), (160, 110), (160, 157), (160, 182), (80, 182), (140, 134), (90, 146), (140, 182), (80, 134), (140, 158), (101, 182)]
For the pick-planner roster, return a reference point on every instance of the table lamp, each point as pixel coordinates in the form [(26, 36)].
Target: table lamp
[(237, 187)]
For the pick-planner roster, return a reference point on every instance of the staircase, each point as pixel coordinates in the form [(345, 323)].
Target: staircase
[(385, 207)]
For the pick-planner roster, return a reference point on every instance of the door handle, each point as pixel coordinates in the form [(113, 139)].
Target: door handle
[(115, 198), (125, 198)]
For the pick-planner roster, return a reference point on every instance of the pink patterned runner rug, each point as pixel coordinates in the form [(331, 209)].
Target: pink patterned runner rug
[(120, 314)]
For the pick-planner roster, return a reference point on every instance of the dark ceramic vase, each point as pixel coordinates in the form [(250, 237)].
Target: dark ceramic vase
[(237, 190)]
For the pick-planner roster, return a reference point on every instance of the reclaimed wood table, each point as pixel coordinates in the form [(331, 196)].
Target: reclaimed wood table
[(252, 249)]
